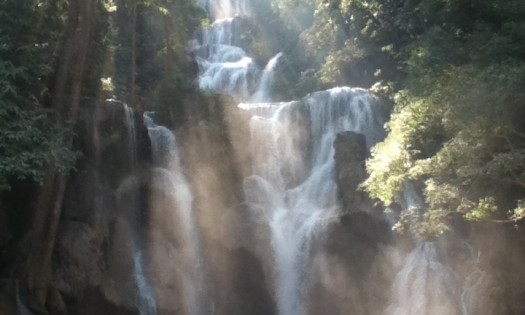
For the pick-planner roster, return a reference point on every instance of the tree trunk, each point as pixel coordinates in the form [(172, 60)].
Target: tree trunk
[(82, 15), (168, 60), (64, 62), (83, 39), (43, 237)]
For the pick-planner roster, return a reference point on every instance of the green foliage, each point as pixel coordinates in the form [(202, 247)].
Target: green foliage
[(485, 209), (29, 142), (29, 138), (162, 31), (420, 224), (465, 133), (457, 125), (519, 211), (413, 130)]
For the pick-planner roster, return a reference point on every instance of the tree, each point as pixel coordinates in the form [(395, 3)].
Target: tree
[(70, 75), (28, 138), (456, 126), (151, 59)]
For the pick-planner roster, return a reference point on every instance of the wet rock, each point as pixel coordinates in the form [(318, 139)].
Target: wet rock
[(249, 286), (352, 265), (350, 155), (356, 238), (94, 301), (103, 214)]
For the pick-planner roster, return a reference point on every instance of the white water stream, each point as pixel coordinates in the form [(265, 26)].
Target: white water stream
[(169, 177), (292, 187), (425, 286)]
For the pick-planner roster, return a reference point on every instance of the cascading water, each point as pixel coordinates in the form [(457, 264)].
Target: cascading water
[(224, 65), (292, 184), (291, 188), (130, 124), (146, 302), (297, 210), (425, 286), (169, 178), (264, 90), (224, 8), (144, 298), (411, 198)]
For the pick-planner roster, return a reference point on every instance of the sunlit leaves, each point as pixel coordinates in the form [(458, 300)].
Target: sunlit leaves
[(485, 209), (458, 68), (519, 211), (460, 134), (421, 224)]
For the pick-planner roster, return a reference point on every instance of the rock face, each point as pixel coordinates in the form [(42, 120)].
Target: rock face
[(215, 150), (107, 221), (350, 155), (491, 268), (99, 230), (354, 267), (99, 226), (352, 258)]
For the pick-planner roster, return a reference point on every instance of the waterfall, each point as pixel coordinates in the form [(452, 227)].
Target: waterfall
[(473, 293), (144, 297), (169, 178), (129, 116), (224, 8), (297, 210), (424, 285), (292, 188), (223, 64), (411, 198), (263, 93), (146, 302)]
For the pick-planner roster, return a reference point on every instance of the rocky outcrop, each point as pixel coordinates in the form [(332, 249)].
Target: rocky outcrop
[(353, 257), (350, 155), (99, 231), (354, 267), (250, 288), (216, 153)]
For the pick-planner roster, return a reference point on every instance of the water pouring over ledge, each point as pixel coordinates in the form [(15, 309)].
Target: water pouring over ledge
[(169, 180), (296, 211), (425, 285), (219, 9), (292, 188)]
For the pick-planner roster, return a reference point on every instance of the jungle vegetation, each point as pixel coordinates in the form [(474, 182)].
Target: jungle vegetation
[(453, 70)]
